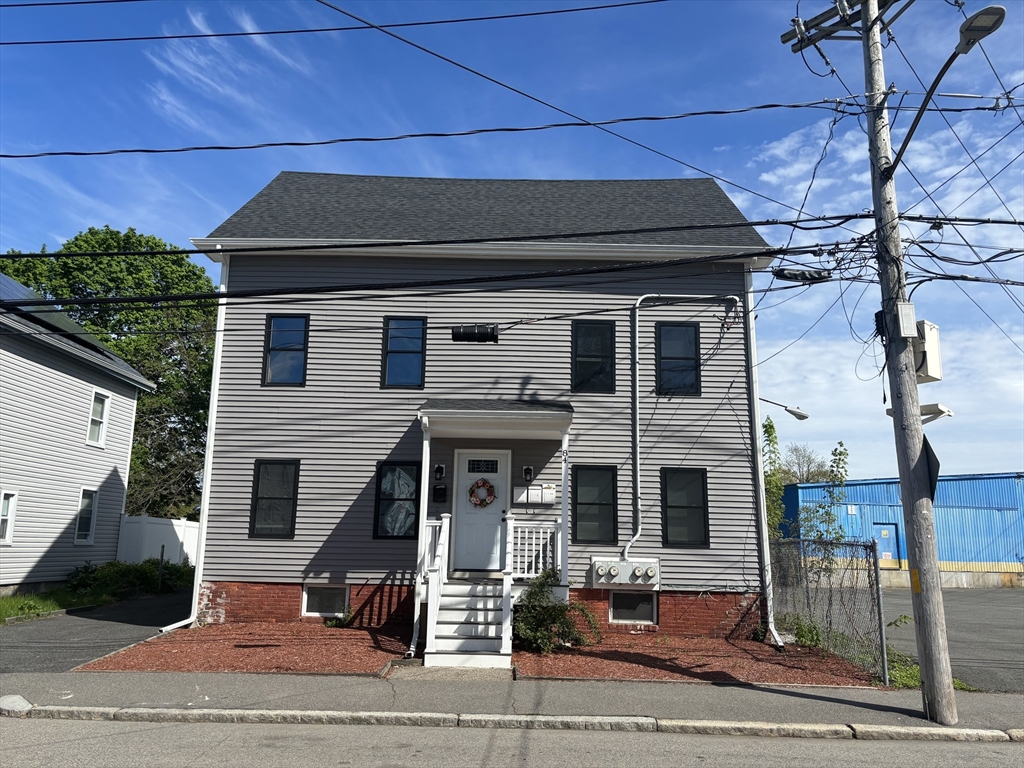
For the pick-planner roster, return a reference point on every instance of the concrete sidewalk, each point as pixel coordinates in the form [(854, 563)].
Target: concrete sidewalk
[(458, 697)]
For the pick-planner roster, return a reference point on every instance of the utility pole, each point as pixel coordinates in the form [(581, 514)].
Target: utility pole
[(915, 484)]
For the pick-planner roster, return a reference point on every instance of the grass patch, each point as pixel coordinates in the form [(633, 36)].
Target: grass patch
[(100, 585), (905, 673)]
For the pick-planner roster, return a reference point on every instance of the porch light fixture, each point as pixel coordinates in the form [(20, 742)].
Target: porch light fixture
[(479, 333), (794, 412), (528, 474), (438, 471)]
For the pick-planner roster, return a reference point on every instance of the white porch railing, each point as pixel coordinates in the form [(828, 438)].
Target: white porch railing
[(534, 547), (437, 573), (506, 585)]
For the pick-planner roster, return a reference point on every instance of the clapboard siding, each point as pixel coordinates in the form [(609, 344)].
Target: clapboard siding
[(341, 422), (45, 403)]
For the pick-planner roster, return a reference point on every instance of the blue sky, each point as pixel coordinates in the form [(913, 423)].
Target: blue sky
[(657, 59)]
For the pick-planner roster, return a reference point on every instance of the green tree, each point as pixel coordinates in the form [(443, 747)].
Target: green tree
[(774, 478), (820, 521), (171, 345), (801, 464)]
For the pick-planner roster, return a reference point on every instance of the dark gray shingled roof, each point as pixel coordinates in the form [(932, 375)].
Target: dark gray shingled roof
[(334, 206), (60, 331), (461, 404)]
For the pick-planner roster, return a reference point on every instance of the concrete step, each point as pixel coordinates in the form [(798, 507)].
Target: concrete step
[(468, 644), (461, 629), (456, 659)]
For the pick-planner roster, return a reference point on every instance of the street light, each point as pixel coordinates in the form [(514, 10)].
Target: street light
[(794, 412), (980, 25)]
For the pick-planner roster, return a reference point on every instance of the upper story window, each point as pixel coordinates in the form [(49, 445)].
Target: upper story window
[(405, 352), (285, 350), (594, 505), (85, 524), (398, 500), (8, 506), (677, 348), (275, 495), (593, 356), (684, 505), (98, 417)]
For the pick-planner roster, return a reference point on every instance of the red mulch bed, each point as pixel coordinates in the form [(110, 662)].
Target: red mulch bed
[(659, 657), (259, 647), (314, 648)]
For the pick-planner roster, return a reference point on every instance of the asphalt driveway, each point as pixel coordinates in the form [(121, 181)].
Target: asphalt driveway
[(61, 643), (984, 629)]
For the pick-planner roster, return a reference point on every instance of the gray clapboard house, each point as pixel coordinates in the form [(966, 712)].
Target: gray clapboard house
[(67, 413), (437, 403)]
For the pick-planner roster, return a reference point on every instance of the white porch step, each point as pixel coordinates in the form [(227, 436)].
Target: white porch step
[(464, 614), (455, 602), (467, 629), (467, 644), (471, 589), (478, 659)]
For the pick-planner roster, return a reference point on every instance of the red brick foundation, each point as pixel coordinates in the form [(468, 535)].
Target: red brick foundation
[(685, 614), (227, 602)]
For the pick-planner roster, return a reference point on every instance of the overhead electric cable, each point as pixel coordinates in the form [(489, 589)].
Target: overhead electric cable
[(549, 105), (207, 35), (828, 104), (349, 245), (57, 4)]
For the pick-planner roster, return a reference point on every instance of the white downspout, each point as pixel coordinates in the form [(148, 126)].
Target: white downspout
[(421, 535), (637, 518), (565, 508), (755, 436), (211, 426)]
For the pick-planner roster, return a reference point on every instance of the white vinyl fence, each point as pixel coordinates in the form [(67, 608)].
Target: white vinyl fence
[(142, 536)]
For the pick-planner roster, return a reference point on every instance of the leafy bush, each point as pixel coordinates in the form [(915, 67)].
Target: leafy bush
[(117, 577), (542, 622), (904, 672), (338, 622), (807, 633)]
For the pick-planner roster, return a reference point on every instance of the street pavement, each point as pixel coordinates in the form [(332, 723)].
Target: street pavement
[(61, 643), (984, 629), (70, 744)]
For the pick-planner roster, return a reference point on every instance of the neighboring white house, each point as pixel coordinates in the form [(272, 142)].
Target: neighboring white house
[(67, 412)]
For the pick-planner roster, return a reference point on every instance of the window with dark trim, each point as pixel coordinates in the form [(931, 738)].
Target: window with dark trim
[(594, 504), (275, 495), (405, 352), (677, 349), (285, 348), (684, 506), (593, 356), (633, 607), (398, 500)]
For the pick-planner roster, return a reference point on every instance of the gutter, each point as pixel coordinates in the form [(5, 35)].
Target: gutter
[(635, 364), (211, 425)]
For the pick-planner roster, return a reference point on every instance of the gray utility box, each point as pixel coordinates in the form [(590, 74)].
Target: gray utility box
[(613, 573), (927, 357)]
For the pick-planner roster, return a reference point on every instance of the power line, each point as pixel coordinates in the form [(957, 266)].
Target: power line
[(459, 241), (54, 4), (207, 35), (549, 105), (309, 291), (829, 104)]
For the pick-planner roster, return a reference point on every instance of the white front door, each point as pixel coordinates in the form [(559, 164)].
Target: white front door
[(482, 496)]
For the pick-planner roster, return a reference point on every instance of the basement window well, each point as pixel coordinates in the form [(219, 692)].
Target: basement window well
[(324, 601), (632, 608)]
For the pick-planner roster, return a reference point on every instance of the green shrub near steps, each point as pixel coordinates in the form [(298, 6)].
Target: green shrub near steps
[(542, 622)]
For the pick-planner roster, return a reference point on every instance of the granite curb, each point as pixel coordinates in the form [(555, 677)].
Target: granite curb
[(17, 706)]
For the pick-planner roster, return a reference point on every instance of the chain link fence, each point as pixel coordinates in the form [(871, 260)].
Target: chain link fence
[(826, 595)]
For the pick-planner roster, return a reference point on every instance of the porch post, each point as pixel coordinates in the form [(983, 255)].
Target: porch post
[(421, 537), (565, 509)]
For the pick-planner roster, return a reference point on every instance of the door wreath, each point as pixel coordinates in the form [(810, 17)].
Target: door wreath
[(481, 493)]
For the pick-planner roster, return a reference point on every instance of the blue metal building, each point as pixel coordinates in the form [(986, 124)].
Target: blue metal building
[(979, 525)]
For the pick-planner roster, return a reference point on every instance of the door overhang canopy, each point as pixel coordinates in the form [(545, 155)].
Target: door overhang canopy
[(494, 419)]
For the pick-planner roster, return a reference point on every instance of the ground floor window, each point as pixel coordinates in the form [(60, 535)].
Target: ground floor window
[(85, 524), (324, 601), (9, 505), (633, 607)]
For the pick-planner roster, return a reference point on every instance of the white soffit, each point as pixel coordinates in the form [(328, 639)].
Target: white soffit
[(520, 425)]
